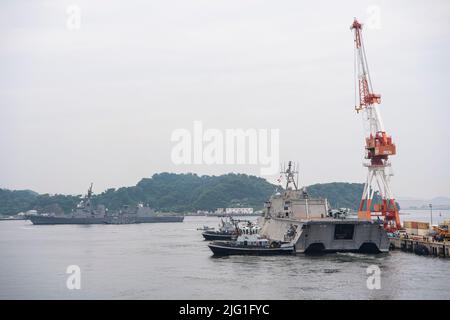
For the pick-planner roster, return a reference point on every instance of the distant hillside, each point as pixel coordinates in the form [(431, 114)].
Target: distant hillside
[(181, 193), (14, 201), (339, 194), (414, 203), (190, 192)]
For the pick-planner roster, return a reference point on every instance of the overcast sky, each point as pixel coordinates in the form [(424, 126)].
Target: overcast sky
[(99, 103)]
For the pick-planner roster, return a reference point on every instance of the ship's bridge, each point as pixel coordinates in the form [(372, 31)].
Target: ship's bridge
[(294, 204)]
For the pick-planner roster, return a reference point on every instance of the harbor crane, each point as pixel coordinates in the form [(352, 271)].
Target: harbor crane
[(378, 144)]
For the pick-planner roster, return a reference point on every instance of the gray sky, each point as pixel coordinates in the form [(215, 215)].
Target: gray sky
[(100, 103)]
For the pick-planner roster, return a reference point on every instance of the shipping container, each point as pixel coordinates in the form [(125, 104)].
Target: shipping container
[(423, 225), (407, 224)]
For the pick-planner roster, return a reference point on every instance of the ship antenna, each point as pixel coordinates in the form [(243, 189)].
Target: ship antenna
[(88, 198), (291, 174), (89, 193)]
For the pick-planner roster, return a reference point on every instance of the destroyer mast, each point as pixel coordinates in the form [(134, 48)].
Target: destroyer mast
[(379, 145)]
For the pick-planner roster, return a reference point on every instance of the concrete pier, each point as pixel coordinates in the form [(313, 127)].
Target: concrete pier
[(421, 246)]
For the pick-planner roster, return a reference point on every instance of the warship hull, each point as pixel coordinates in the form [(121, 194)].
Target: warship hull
[(160, 219), (48, 220), (333, 235), (43, 220)]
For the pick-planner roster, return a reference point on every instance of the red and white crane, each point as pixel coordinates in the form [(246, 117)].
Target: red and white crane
[(379, 145)]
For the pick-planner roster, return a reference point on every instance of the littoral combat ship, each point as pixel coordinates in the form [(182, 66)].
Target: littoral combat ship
[(84, 213), (295, 223)]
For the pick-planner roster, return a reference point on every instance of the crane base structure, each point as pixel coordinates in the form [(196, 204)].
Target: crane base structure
[(387, 209)]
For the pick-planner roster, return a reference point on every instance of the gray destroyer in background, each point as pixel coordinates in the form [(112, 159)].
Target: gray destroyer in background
[(84, 213), (306, 223)]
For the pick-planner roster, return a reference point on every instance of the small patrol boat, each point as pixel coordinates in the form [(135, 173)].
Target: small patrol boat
[(249, 242), (228, 229)]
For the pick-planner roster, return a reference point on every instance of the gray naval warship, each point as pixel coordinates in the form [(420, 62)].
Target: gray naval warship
[(295, 223), (84, 213)]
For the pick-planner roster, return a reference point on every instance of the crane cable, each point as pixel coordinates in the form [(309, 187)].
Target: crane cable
[(366, 64), (355, 75)]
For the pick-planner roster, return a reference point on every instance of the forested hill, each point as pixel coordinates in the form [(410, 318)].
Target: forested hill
[(181, 193), (190, 192)]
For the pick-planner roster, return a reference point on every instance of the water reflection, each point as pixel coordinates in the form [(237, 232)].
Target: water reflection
[(171, 261)]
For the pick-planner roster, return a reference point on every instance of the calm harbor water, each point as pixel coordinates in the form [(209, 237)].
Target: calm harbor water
[(172, 261)]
